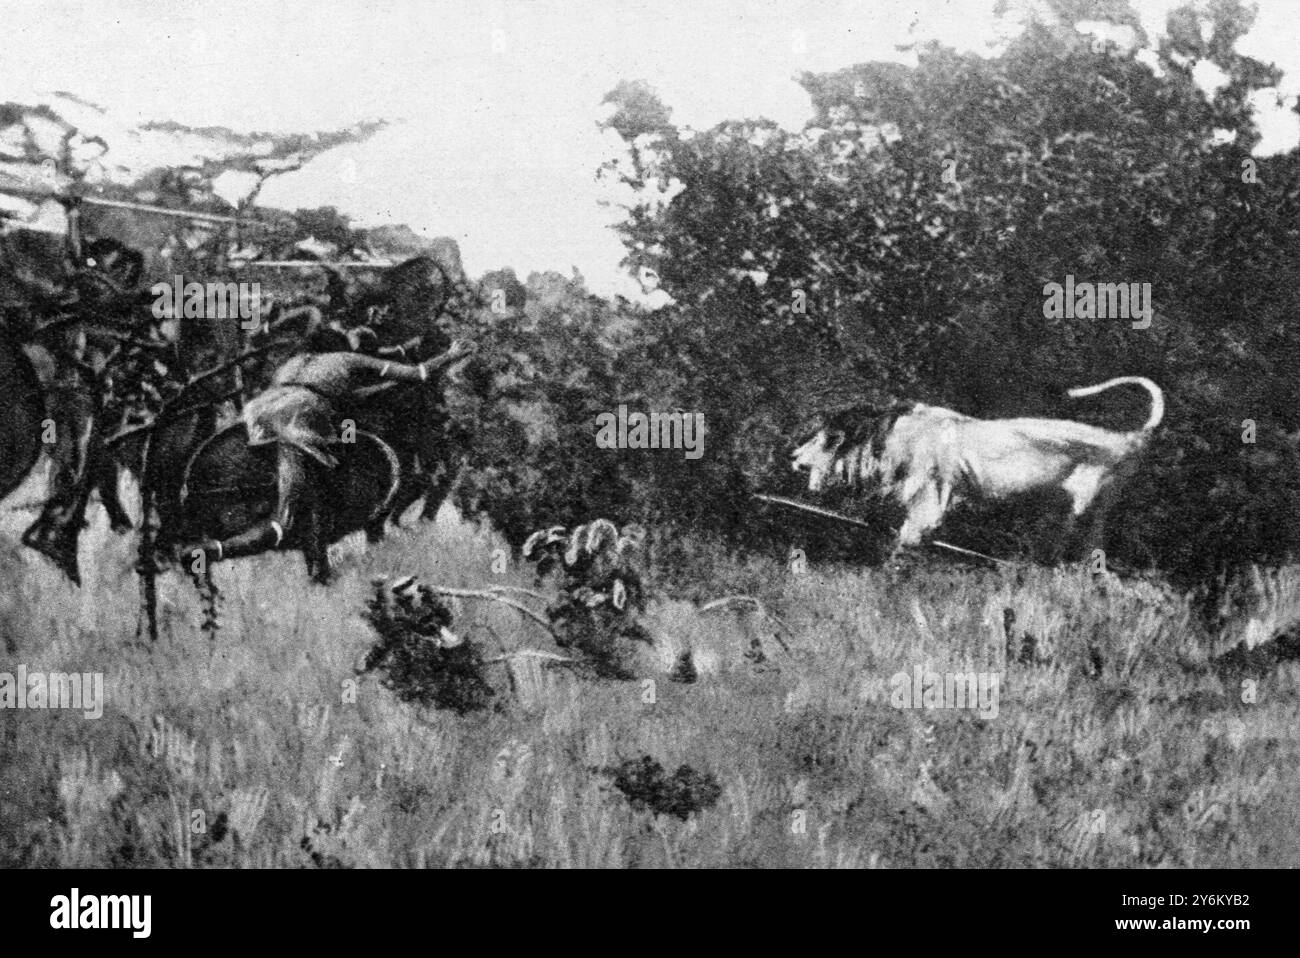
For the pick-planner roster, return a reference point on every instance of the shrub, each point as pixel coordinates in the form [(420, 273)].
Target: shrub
[(419, 659), (648, 788)]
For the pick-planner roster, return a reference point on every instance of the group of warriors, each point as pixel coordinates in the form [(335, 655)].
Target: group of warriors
[(329, 418)]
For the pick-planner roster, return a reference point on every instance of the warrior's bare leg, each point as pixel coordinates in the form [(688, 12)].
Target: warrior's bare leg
[(292, 479), (56, 530), (104, 478), (316, 545), (440, 485)]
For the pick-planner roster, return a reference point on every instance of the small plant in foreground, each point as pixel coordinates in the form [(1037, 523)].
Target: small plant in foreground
[(600, 588), (647, 788), (419, 658)]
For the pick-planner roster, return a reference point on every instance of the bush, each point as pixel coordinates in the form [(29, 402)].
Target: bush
[(417, 657), (648, 788)]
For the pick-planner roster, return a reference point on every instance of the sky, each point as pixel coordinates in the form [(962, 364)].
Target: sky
[(494, 104)]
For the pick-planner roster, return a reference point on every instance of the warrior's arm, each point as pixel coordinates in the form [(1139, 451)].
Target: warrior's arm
[(342, 374), (457, 352), (391, 373), (422, 372), (372, 368)]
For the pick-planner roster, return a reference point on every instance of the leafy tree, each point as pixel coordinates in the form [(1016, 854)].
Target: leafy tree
[(899, 245)]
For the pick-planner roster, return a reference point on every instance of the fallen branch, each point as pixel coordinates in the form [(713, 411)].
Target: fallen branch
[(494, 597), (528, 654), (520, 589), (727, 600), (715, 604)]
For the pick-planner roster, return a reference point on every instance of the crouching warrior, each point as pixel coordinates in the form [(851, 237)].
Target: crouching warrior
[(306, 412)]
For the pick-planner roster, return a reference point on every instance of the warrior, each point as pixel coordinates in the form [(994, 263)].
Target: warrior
[(305, 412)]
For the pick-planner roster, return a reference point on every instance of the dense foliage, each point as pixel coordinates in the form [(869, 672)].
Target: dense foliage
[(898, 248)]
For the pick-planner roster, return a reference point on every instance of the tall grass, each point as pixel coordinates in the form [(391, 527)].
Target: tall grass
[(1117, 742)]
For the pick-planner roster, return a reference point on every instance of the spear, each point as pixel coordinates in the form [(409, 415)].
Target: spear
[(840, 517)]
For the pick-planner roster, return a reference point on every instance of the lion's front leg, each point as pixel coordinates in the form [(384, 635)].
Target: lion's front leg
[(925, 512)]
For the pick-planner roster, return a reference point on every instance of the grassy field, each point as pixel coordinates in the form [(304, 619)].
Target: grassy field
[(1120, 735)]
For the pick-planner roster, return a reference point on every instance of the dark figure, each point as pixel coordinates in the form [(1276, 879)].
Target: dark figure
[(401, 304), (78, 319), (316, 409), (21, 414), (395, 314)]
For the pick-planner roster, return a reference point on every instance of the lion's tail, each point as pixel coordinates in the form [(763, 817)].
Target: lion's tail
[(1157, 396)]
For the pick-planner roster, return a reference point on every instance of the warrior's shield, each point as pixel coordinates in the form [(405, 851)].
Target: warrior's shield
[(230, 486)]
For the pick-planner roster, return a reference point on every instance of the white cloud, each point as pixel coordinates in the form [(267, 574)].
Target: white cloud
[(498, 146), (1279, 124), (1210, 77)]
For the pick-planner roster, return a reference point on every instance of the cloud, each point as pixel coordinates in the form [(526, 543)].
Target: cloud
[(497, 101)]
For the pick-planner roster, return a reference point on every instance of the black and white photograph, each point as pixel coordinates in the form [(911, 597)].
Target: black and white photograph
[(699, 434)]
